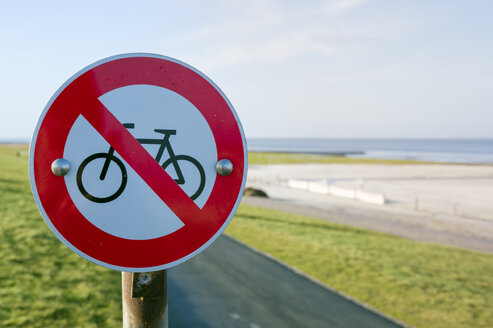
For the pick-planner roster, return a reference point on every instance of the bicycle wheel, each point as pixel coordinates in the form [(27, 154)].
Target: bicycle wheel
[(196, 163), (93, 198)]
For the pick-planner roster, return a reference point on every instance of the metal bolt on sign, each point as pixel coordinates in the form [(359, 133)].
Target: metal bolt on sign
[(60, 167), (224, 167)]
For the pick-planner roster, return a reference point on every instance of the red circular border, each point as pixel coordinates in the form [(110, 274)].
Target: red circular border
[(53, 132)]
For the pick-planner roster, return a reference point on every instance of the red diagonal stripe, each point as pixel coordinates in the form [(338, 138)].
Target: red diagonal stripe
[(140, 160)]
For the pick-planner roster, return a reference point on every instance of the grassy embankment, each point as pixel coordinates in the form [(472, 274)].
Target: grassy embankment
[(44, 284)]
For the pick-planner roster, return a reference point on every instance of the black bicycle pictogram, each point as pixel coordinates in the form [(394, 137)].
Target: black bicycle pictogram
[(164, 144)]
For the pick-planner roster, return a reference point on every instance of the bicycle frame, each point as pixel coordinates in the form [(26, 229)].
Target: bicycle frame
[(165, 144)]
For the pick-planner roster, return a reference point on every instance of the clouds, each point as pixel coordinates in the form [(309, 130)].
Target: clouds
[(239, 33), (338, 6)]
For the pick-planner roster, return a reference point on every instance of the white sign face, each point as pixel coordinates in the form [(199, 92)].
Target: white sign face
[(139, 209), (142, 134)]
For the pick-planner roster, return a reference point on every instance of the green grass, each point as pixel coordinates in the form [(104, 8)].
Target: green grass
[(295, 158), (42, 282), (421, 284)]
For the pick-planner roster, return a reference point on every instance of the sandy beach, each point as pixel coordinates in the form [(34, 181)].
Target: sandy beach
[(453, 199)]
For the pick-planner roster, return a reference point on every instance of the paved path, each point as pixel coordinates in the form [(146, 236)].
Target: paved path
[(230, 285), (469, 234)]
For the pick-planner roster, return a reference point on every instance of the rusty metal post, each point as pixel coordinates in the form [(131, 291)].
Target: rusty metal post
[(145, 299)]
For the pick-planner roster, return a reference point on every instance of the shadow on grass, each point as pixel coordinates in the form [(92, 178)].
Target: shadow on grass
[(9, 181), (8, 185), (13, 190)]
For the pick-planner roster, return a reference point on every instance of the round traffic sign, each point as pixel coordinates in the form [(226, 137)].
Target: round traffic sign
[(123, 162)]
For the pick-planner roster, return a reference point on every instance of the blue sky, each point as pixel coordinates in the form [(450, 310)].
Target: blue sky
[(335, 69)]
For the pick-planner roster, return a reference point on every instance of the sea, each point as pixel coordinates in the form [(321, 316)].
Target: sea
[(466, 151)]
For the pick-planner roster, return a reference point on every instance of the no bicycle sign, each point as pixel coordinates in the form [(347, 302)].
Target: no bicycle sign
[(138, 162)]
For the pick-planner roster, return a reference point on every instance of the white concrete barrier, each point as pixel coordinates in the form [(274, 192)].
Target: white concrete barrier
[(370, 197), (319, 187), (342, 192), (322, 187), (298, 184)]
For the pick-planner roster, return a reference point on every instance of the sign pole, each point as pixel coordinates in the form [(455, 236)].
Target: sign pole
[(145, 299)]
